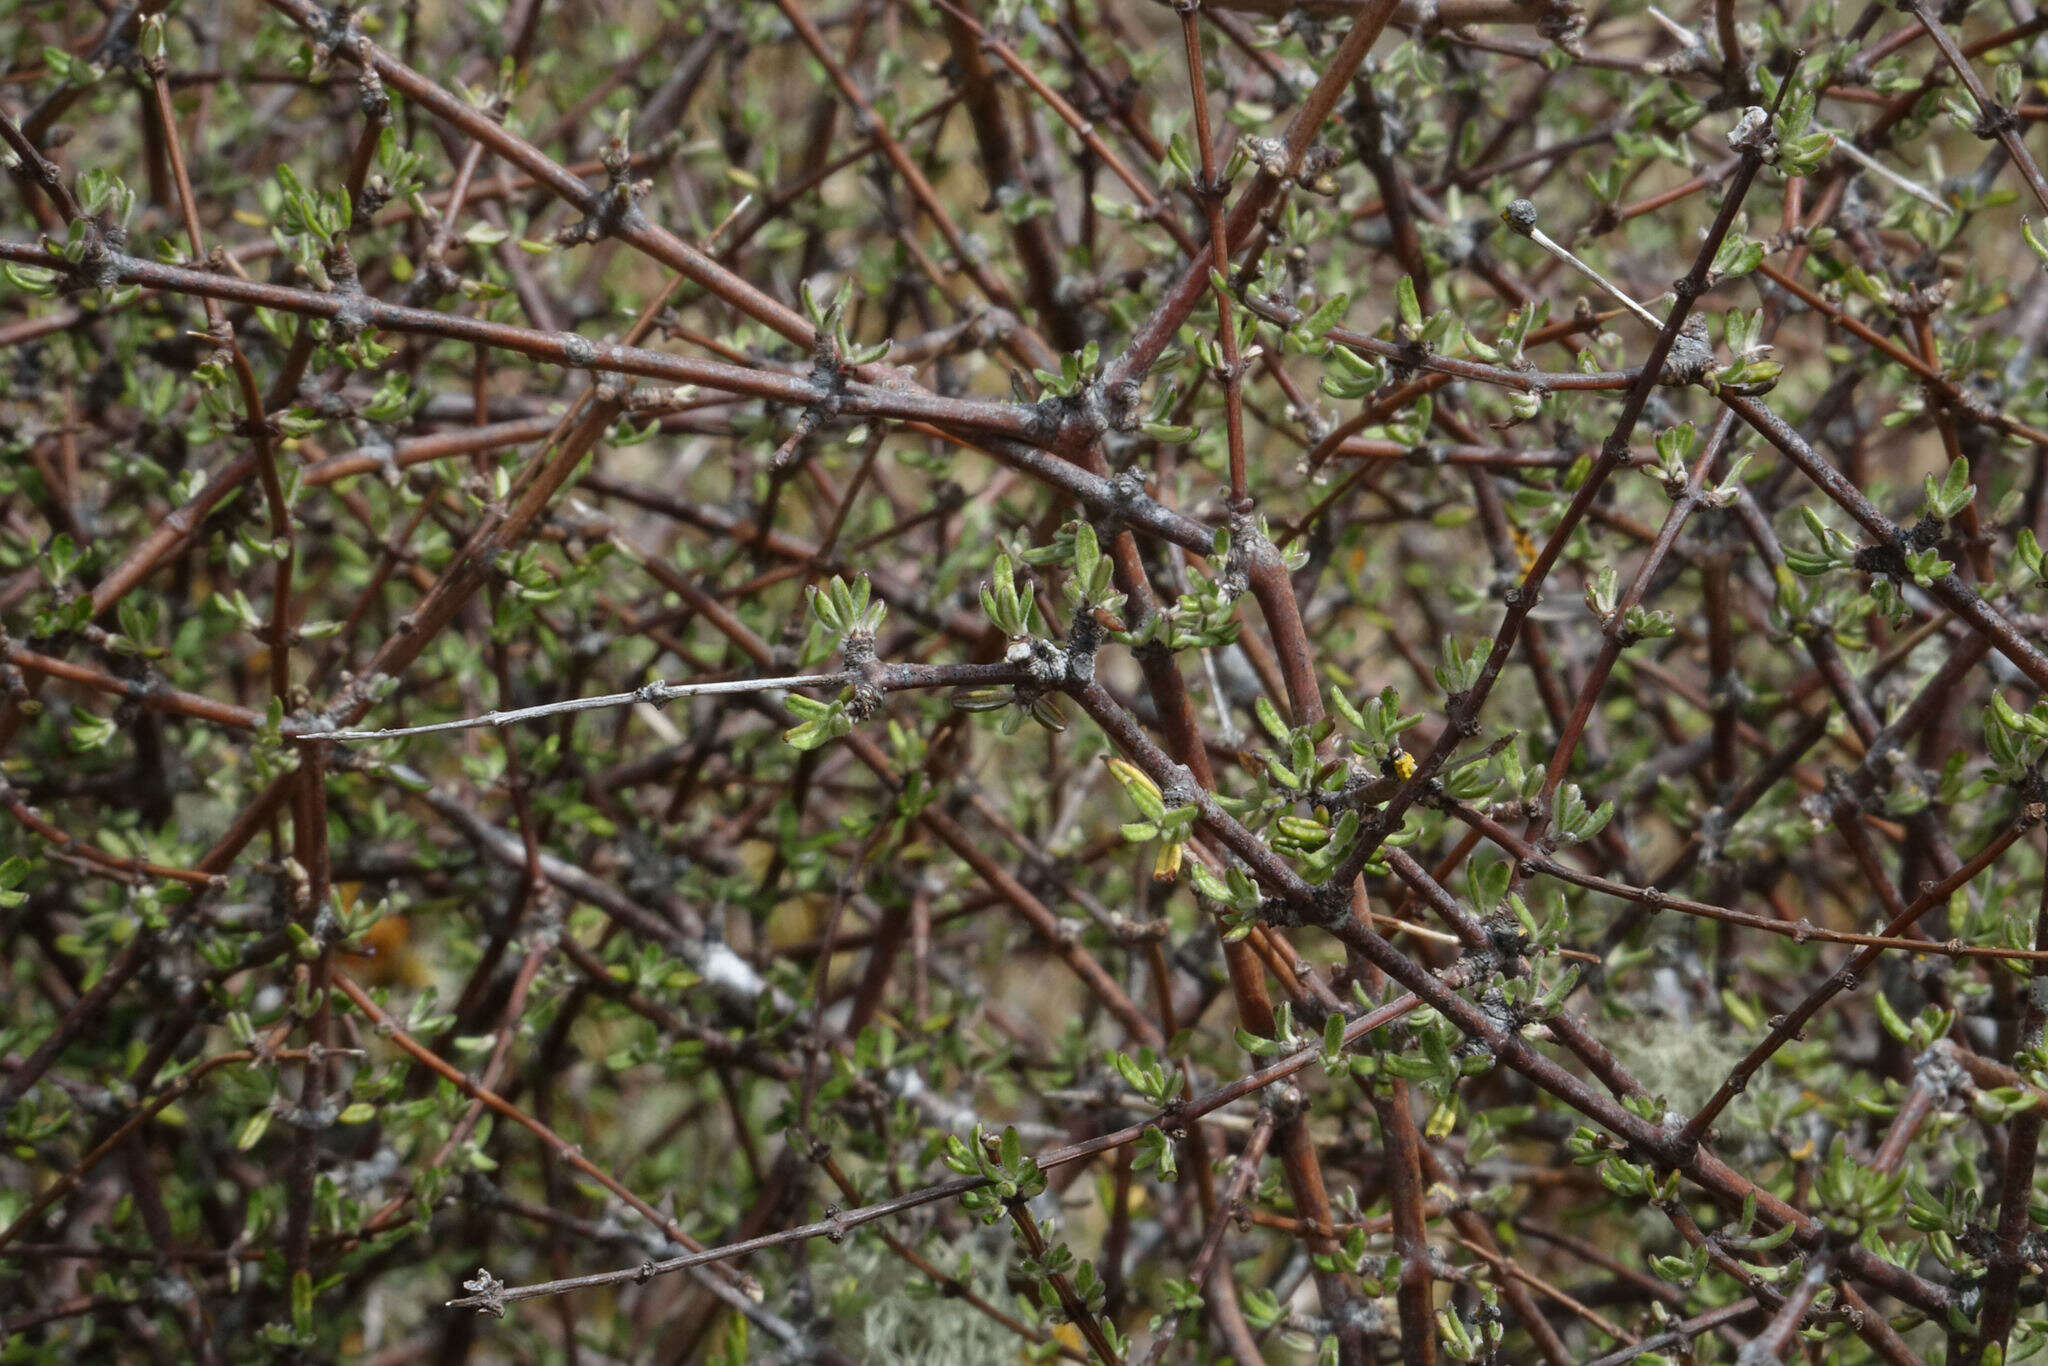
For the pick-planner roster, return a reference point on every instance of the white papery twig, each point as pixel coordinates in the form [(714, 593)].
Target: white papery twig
[(652, 692)]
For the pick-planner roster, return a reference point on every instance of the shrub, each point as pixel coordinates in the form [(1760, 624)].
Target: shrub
[(915, 681)]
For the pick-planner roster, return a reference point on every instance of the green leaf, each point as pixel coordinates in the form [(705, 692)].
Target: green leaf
[(1409, 310)]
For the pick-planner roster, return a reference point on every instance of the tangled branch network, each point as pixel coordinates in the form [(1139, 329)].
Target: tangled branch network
[(973, 680)]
